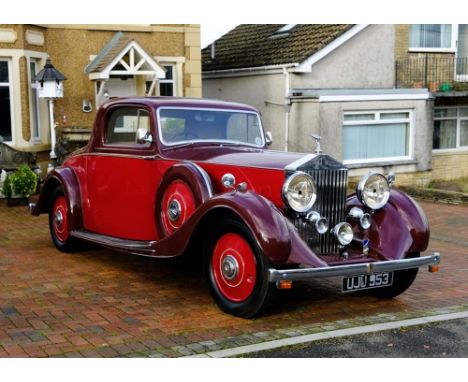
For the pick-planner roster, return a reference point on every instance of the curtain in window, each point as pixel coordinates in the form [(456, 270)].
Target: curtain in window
[(430, 35), (375, 141), (445, 134)]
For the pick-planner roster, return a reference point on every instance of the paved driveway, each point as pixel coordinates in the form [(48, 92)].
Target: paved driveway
[(104, 303)]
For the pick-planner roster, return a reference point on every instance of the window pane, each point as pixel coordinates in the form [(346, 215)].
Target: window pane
[(34, 102), (169, 72), (430, 35), (394, 115), (375, 141), (464, 112), (464, 133), (445, 134), (4, 71), (166, 89), (359, 117), (442, 113), (123, 124), (5, 115)]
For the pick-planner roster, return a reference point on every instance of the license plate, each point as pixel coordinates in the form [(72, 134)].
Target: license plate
[(367, 281)]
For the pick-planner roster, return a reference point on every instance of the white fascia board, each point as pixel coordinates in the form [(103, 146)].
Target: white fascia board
[(374, 97), (306, 66)]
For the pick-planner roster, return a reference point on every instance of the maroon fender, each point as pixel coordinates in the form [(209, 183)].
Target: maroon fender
[(267, 223), (65, 178), (194, 176), (399, 228)]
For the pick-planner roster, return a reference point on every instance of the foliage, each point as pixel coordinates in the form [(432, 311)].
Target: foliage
[(6, 190), (22, 182)]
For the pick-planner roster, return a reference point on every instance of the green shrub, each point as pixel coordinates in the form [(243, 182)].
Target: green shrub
[(6, 189), (22, 182)]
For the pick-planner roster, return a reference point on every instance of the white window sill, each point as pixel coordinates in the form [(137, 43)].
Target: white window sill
[(432, 50), (442, 152), (380, 163)]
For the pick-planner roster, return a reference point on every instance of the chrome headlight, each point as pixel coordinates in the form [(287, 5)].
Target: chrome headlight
[(373, 191), (299, 192)]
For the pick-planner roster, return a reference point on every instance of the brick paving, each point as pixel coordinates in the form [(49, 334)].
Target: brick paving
[(101, 303)]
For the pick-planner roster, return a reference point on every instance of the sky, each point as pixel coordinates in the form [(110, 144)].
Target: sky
[(211, 32)]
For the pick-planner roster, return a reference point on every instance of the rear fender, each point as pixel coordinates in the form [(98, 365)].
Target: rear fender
[(66, 179), (398, 229)]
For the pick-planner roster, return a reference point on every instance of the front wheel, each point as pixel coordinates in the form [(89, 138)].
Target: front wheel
[(402, 280), (237, 270)]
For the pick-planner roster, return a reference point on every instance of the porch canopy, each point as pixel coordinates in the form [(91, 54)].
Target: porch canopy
[(122, 58)]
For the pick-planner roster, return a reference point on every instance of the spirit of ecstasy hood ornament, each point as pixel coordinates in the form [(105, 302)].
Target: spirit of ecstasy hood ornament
[(318, 149)]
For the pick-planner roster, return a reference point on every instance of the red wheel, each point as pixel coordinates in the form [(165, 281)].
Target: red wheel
[(177, 205), (234, 267), (59, 223), (237, 270)]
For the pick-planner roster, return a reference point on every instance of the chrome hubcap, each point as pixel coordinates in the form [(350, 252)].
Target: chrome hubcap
[(58, 218), (174, 210), (229, 267)]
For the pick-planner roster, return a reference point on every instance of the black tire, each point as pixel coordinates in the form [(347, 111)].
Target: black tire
[(68, 244), (263, 291), (402, 280)]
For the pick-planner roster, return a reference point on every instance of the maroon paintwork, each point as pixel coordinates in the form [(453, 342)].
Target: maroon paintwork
[(114, 196)]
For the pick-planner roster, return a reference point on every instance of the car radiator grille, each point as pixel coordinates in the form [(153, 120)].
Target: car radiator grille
[(331, 203)]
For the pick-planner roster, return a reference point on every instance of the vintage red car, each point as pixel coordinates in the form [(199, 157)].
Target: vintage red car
[(161, 176)]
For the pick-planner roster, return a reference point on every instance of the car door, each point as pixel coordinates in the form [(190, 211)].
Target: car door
[(122, 177)]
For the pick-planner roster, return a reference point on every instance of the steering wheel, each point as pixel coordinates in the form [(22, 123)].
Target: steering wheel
[(184, 136)]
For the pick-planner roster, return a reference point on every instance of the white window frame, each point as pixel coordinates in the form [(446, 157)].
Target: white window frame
[(458, 119), (378, 121), (174, 77), (35, 139), (453, 43), (10, 88)]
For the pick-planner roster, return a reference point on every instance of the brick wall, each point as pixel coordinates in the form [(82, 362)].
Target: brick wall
[(450, 166)]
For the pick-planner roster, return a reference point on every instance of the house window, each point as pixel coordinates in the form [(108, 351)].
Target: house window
[(35, 121), (167, 85), (5, 102), (450, 128), (372, 136), (431, 36)]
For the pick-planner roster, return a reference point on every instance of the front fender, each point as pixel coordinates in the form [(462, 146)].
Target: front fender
[(66, 179), (399, 228), (266, 222)]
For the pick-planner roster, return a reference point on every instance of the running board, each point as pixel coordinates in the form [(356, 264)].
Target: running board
[(137, 247)]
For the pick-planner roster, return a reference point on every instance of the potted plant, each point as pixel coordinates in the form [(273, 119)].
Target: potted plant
[(19, 186)]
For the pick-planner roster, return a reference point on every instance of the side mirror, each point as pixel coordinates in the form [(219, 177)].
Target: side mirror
[(143, 136), (268, 138)]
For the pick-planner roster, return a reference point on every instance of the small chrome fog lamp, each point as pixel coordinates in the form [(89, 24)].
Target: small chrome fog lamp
[(321, 223), (343, 233), (365, 221)]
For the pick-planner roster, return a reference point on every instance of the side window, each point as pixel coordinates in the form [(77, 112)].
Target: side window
[(123, 124)]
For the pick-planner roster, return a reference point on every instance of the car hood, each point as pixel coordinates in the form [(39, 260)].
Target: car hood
[(242, 157)]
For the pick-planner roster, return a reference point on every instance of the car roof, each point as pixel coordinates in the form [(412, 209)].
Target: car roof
[(157, 102)]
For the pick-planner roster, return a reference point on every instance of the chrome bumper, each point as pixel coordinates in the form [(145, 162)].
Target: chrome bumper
[(352, 269)]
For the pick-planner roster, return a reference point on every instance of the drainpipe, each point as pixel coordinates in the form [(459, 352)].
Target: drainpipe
[(287, 107)]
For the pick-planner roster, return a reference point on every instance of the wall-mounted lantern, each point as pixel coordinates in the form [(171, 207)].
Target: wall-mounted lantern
[(50, 86)]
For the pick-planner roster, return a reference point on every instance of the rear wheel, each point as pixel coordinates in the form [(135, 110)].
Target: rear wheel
[(237, 270), (59, 223), (402, 280)]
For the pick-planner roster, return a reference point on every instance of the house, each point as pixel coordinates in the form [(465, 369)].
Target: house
[(338, 81), (99, 62)]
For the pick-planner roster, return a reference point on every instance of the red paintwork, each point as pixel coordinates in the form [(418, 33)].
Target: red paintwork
[(241, 286), (180, 192), (62, 230), (120, 191)]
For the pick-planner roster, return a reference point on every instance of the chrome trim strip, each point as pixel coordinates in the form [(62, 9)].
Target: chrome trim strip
[(206, 178), (352, 269), (294, 165)]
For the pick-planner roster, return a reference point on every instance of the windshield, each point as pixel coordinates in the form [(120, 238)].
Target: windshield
[(179, 125)]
